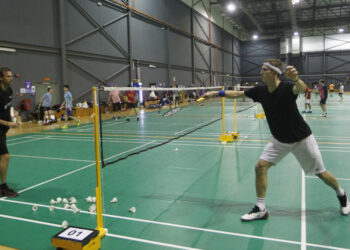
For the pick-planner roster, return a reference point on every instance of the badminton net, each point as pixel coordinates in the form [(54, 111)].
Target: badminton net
[(167, 114)]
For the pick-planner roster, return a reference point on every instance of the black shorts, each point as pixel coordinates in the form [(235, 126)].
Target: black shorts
[(323, 101), (340, 93), (117, 106), (132, 105), (3, 147), (332, 90), (42, 111)]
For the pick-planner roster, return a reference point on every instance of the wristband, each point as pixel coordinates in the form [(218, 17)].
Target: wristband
[(222, 93)]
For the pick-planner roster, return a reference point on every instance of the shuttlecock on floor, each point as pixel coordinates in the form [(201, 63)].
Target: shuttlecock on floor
[(94, 199), (51, 208), (176, 149), (114, 200), (72, 200), (66, 206), (88, 199), (52, 202), (92, 208), (64, 224), (73, 206), (64, 200), (35, 208), (58, 200), (132, 210)]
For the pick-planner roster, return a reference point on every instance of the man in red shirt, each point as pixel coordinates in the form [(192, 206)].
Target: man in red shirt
[(132, 103), (307, 101)]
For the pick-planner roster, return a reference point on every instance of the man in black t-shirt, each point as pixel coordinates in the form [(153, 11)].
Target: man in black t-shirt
[(5, 123), (290, 133)]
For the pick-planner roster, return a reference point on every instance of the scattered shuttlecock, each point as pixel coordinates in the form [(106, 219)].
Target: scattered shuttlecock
[(92, 208), (66, 206), (132, 210), (88, 199), (64, 200), (223, 142), (94, 199), (52, 202), (58, 200), (114, 200), (52, 208), (76, 210), (64, 224), (73, 200), (73, 206), (35, 208), (176, 149)]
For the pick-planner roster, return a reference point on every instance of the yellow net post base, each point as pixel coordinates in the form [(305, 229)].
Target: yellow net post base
[(229, 137), (260, 116), (226, 138), (235, 135)]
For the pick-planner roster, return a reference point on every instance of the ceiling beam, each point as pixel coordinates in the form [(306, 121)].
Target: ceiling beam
[(318, 24), (293, 18), (246, 11), (314, 8)]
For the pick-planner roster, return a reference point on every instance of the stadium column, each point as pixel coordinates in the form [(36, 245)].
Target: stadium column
[(62, 29), (129, 46)]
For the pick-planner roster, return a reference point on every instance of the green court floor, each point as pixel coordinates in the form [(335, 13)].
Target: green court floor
[(189, 193)]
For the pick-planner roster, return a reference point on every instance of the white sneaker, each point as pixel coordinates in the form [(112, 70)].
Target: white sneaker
[(344, 205), (345, 210), (255, 214)]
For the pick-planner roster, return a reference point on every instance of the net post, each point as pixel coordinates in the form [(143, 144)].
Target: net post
[(224, 137), (98, 189), (235, 134), (259, 115), (223, 114)]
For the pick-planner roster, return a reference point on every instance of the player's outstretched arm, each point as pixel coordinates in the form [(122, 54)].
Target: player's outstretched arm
[(225, 93)]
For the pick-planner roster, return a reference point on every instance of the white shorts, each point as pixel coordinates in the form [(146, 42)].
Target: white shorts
[(306, 151), (307, 101)]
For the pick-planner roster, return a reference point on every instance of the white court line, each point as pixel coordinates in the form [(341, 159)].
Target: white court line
[(108, 234), (181, 226), (72, 172), (29, 220), (315, 177), (150, 242), (50, 158), (16, 139), (105, 125), (326, 247), (16, 143), (303, 213), (196, 126), (242, 144)]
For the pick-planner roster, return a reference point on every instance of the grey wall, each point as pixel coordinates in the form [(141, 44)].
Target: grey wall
[(96, 55), (253, 54)]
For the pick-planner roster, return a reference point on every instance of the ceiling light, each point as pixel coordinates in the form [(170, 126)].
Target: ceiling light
[(296, 33), (255, 37), (231, 7), (295, 1), (341, 30), (7, 49)]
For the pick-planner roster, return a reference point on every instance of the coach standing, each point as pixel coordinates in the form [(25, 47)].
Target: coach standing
[(6, 122)]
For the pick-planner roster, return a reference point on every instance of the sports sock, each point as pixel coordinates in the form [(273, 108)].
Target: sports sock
[(260, 202), (340, 191)]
